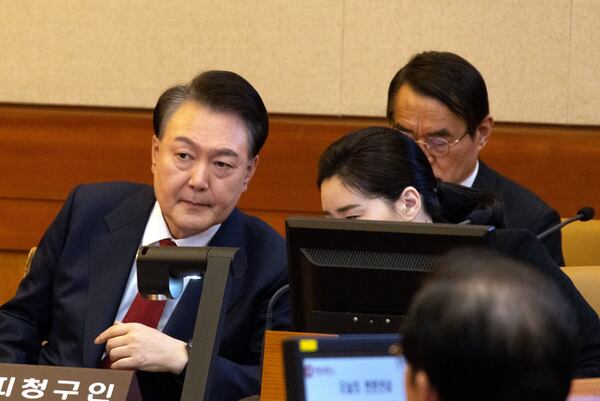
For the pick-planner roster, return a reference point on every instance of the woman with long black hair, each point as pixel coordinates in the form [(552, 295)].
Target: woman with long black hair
[(378, 173)]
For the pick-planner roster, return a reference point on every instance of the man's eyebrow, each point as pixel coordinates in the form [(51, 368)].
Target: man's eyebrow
[(224, 152), (400, 127), (441, 132), (215, 152)]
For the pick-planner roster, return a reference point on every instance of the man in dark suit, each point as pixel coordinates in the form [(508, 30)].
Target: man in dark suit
[(80, 297), (440, 100)]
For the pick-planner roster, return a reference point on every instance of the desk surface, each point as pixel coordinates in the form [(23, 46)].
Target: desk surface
[(585, 390)]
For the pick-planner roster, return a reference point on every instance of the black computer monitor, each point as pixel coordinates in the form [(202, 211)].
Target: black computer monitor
[(358, 276)]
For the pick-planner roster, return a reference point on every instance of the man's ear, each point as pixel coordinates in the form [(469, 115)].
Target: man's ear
[(250, 170), (408, 204), (484, 131), (155, 146)]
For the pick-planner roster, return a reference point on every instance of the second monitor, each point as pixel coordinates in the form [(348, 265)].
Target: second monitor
[(357, 276)]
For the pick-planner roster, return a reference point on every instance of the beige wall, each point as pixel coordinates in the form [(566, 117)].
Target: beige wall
[(336, 57)]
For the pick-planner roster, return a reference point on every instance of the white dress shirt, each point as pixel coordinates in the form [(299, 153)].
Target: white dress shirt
[(156, 229), (468, 182)]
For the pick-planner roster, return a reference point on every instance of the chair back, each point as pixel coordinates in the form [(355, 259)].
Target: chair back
[(581, 243), (587, 281)]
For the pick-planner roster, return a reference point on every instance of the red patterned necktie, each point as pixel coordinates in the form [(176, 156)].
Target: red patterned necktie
[(143, 310)]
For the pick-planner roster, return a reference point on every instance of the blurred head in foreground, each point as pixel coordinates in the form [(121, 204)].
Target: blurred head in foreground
[(487, 327)]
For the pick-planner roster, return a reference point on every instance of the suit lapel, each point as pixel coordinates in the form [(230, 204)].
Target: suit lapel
[(111, 259)]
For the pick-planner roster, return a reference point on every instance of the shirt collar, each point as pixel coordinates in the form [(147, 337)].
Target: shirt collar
[(157, 229), (468, 182)]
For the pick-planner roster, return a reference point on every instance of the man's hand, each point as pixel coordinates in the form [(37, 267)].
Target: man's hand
[(139, 347)]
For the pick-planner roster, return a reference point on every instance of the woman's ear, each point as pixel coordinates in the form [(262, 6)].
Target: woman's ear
[(418, 386), (409, 205)]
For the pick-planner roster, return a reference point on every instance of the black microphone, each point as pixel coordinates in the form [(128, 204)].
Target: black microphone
[(271, 306), (478, 217), (584, 214)]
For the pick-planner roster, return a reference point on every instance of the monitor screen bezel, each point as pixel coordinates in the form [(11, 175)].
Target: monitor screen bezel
[(424, 238), (353, 345)]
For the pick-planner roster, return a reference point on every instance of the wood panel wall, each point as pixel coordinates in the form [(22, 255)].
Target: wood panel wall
[(45, 151)]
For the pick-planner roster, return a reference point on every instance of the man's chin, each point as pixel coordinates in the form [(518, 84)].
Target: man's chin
[(188, 224), (445, 177), (192, 229), (440, 177)]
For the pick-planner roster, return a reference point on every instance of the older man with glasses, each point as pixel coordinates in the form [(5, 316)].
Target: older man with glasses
[(440, 100)]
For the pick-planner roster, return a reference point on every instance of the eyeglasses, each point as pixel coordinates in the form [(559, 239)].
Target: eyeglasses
[(436, 145)]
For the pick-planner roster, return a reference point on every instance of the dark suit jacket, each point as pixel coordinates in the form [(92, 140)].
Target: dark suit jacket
[(522, 208), (522, 245), (78, 277)]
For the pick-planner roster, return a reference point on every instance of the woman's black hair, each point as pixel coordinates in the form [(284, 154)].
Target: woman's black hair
[(380, 162)]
